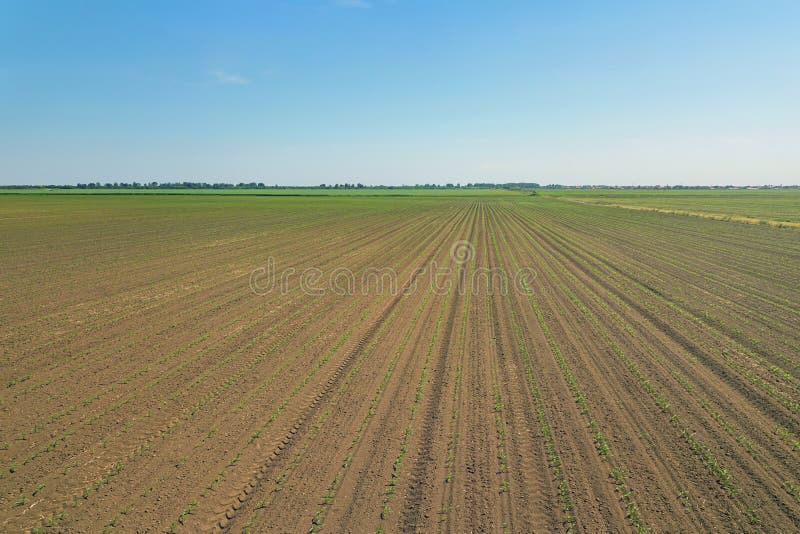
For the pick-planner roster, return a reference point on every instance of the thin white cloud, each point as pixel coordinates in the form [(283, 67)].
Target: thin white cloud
[(229, 77), (359, 4)]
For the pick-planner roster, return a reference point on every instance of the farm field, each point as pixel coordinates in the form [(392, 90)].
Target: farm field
[(257, 364), (755, 206)]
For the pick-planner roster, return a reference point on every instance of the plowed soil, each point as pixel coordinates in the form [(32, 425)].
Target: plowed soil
[(644, 373)]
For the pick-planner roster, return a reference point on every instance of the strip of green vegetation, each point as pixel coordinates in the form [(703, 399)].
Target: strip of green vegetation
[(782, 205)]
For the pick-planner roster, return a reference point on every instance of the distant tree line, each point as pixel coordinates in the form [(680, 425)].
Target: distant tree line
[(261, 185), (476, 185), (509, 185), (172, 185)]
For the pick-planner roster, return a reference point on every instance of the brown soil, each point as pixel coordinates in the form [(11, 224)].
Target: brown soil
[(649, 379)]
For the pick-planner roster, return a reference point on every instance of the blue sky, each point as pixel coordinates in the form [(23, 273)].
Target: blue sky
[(405, 91)]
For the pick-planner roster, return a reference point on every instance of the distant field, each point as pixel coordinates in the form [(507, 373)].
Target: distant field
[(780, 205), (269, 191), (643, 376)]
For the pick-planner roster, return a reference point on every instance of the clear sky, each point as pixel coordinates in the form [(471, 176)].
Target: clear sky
[(405, 91)]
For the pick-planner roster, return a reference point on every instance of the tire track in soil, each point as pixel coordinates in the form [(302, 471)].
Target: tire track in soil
[(455, 444), (163, 433), (301, 424), (363, 481), (597, 504), (136, 391), (340, 486), (368, 464), (462, 471), (417, 510), (504, 402), (535, 497)]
